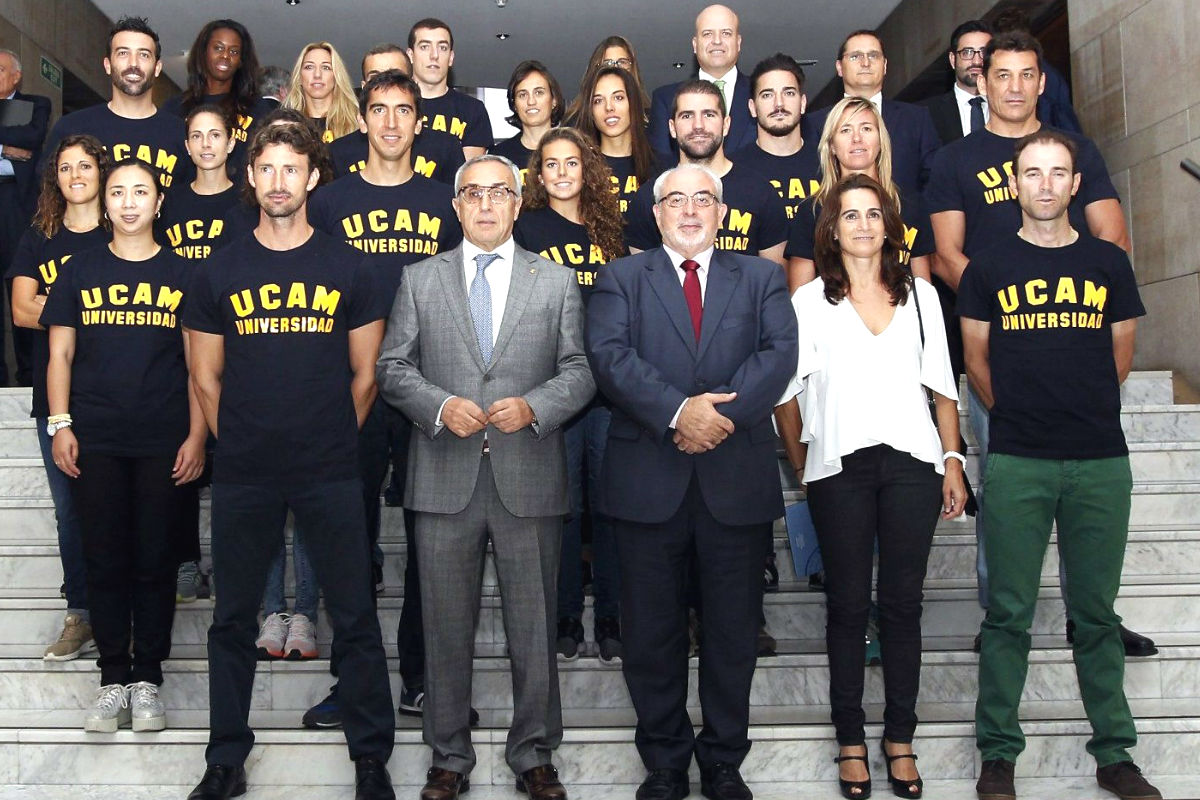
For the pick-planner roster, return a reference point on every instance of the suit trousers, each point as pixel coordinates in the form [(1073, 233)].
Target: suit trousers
[(655, 563), (451, 549), (247, 531)]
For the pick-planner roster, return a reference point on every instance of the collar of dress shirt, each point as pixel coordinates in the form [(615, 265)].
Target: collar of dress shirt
[(730, 79), (964, 98), (11, 96), (876, 100), (702, 258), (506, 251)]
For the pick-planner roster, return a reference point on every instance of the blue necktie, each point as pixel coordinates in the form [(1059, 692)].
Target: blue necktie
[(480, 299), (977, 121)]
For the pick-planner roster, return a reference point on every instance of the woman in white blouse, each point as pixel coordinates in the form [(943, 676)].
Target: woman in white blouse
[(878, 470)]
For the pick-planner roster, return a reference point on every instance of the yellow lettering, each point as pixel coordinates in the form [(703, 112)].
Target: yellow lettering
[(458, 128), (740, 221), (268, 295), (429, 226), (92, 298), (1094, 296), (142, 295), (1008, 299), (1035, 292), (297, 297), (1066, 291), (169, 298), (118, 294), (353, 225), (165, 161), (243, 303), (326, 300)]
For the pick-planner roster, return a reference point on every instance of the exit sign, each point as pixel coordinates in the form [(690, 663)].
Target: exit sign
[(52, 72)]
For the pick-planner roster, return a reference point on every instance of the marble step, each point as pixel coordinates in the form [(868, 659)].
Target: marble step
[(599, 757), (790, 614)]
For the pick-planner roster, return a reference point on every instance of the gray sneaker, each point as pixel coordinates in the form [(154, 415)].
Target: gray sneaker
[(74, 641), (187, 581), (110, 711), (146, 709)]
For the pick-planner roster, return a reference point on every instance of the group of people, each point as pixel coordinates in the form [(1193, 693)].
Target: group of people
[(588, 322)]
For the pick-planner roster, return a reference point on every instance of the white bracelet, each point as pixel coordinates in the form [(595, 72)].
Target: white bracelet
[(955, 455)]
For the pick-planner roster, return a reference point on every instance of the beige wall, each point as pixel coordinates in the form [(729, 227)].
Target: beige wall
[(1136, 66)]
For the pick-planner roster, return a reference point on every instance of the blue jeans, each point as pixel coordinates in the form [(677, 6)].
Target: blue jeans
[(978, 417), (585, 439), (307, 591), (70, 537)]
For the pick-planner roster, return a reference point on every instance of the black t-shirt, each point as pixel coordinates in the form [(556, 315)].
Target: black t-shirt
[(460, 115), (514, 151), (397, 225), (756, 219), (1050, 349), (195, 225), (625, 182), (918, 234), (44, 260), (551, 235), (795, 177), (129, 379), (246, 123), (286, 414), (971, 175), (157, 140), (435, 155)]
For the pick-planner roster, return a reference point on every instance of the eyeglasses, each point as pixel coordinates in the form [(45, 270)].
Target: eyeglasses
[(472, 194), (699, 200), (623, 63), (970, 53), (869, 57)]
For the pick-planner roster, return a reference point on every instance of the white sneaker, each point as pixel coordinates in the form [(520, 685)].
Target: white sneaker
[(272, 636), (146, 709), (110, 711), (301, 639)]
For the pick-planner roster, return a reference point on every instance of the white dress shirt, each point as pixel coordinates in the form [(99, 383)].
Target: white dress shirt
[(963, 99), (876, 100), (727, 87), (703, 259)]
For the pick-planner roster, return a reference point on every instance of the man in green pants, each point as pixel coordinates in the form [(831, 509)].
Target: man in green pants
[(1048, 320)]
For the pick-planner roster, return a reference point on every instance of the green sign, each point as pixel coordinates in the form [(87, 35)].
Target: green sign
[(52, 72)]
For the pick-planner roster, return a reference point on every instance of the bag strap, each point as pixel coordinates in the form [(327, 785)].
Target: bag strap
[(917, 301)]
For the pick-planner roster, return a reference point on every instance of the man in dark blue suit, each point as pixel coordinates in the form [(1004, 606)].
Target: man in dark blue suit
[(20, 145), (861, 65), (717, 45), (692, 345)]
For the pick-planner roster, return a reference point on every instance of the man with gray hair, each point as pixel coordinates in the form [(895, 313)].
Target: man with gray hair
[(273, 83), (692, 345), (484, 353)]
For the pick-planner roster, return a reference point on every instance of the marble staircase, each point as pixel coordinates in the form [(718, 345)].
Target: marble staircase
[(44, 753)]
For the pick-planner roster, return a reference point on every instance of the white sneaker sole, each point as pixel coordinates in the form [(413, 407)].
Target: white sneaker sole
[(150, 724), (88, 648), (106, 725)]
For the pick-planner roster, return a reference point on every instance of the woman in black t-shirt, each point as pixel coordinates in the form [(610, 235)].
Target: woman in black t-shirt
[(127, 428), (321, 88), (855, 141), (616, 124), (536, 101), (67, 222), (570, 216)]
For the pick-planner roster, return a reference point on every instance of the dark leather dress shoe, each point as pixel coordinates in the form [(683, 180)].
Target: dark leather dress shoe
[(721, 781), (220, 783), (444, 784), (371, 780), (996, 780), (541, 783), (664, 784), (1136, 645)]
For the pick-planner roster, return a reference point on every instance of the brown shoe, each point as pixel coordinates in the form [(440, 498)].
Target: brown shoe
[(1126, 781), (541, 783), (996, 780), (443, 784)]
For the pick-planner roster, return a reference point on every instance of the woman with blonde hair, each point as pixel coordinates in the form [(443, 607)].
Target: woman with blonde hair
[(322, 89), (855, 141)]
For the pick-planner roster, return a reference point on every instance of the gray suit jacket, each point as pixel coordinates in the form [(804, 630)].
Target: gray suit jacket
[(430, 353)]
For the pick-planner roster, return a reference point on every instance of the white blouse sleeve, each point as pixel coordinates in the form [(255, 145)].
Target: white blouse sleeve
[(806, 353), (935, 358)]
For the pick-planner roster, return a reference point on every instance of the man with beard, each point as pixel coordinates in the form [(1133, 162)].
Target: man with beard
[(777, 103), (129, 126), (755, 220), (284, 333), (962, 110)]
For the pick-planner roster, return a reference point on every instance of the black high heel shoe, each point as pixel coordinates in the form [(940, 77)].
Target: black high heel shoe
[(854, 790), (901, 788)]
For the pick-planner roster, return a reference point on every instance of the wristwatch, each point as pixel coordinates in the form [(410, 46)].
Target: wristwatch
[(54, 427)]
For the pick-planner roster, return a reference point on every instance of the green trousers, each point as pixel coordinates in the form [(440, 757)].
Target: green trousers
[(1089, 498)]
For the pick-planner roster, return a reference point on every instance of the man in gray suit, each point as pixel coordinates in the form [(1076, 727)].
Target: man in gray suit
[(486, 341)]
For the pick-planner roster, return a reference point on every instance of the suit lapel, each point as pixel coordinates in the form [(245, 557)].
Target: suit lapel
[(451, 273), (520, 287), (665, 282), (723, 276)]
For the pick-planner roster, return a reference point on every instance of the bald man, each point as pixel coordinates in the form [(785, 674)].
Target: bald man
[(717, 44)]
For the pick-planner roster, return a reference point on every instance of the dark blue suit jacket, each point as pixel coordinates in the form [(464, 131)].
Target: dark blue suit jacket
[(29, 137), (646, 361), (914, 141), (743, 130)]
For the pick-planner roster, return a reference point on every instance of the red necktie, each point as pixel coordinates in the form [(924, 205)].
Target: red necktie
[(691, 293)]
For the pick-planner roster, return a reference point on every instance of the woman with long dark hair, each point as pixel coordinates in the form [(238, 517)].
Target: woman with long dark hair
[(612, 51), (616, 124), (128, 430), (855, 141), (67, 222), (879, 471), (536, 101)]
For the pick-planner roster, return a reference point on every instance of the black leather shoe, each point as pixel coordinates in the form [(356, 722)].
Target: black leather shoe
[(444, 784), (541, 783), (720, 781), (996, 780), (371, 780), (1136, 645), (220, 783), (664, 784)]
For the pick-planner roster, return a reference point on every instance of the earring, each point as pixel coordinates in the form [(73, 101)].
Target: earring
[(158, 214), (105, 214)]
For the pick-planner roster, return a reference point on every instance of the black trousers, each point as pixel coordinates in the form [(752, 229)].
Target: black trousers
[(655, 564), (887, 497), (127, 508), (247, 532)]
